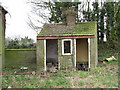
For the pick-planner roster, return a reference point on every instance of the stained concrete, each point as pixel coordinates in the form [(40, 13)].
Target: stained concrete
[(20, 57), (66, 61), (93, 51), (2, 40), (40, 56)]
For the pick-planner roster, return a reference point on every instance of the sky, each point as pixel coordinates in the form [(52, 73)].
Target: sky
[(17, 18)]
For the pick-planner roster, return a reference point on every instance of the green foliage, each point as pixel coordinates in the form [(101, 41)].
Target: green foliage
[(58, 7), (62, 75), (107, 16), (103, 76), (108, 52), (81, 83), (13, 44), (62, 82), (18, 43), (84, 74), (100, 77)]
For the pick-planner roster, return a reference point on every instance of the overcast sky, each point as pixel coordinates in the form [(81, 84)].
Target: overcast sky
[(17, 18)]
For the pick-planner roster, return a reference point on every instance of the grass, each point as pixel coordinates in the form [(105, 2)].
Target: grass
[(103, 76)]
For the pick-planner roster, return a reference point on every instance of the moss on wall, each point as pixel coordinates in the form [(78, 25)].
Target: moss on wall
[(93, 50), (2, 36), (27, 49), (0, 32), (66, 61), (40, 56), (18, 57)]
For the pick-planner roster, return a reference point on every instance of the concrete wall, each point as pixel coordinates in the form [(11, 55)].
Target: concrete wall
[(2, 35), (2, 40), (93, 51), (20, 57), (66, 62), (40, 56)]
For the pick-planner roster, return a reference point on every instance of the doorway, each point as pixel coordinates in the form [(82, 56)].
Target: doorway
[(82, 54), (52, 55)]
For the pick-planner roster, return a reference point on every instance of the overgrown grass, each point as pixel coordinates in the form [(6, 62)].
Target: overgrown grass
[(103, 76)]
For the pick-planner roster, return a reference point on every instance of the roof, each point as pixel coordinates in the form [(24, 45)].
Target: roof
[(80, 29)]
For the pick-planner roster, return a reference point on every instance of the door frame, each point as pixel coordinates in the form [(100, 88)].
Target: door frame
[(88, 52)]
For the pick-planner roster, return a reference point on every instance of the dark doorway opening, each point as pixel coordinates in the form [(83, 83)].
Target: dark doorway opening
[(52, 55)]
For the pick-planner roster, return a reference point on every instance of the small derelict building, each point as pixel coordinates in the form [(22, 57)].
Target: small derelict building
[(67, 45)]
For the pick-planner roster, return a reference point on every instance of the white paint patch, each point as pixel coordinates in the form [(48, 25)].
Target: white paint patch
[(75, 52), (45, 55), (89, 51)]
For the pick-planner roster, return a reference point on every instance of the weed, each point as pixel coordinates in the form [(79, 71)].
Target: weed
[(62, 82), (103, 76), (81, 83)]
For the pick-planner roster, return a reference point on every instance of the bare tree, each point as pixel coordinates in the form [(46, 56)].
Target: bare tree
[(42, 10), (40, 14)]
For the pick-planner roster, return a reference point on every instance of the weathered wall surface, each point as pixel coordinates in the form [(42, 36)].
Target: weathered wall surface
[(66, 62), (2, 39), (2, 35), (0, 47), (40, 56), (93, 51), (20, 57)]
